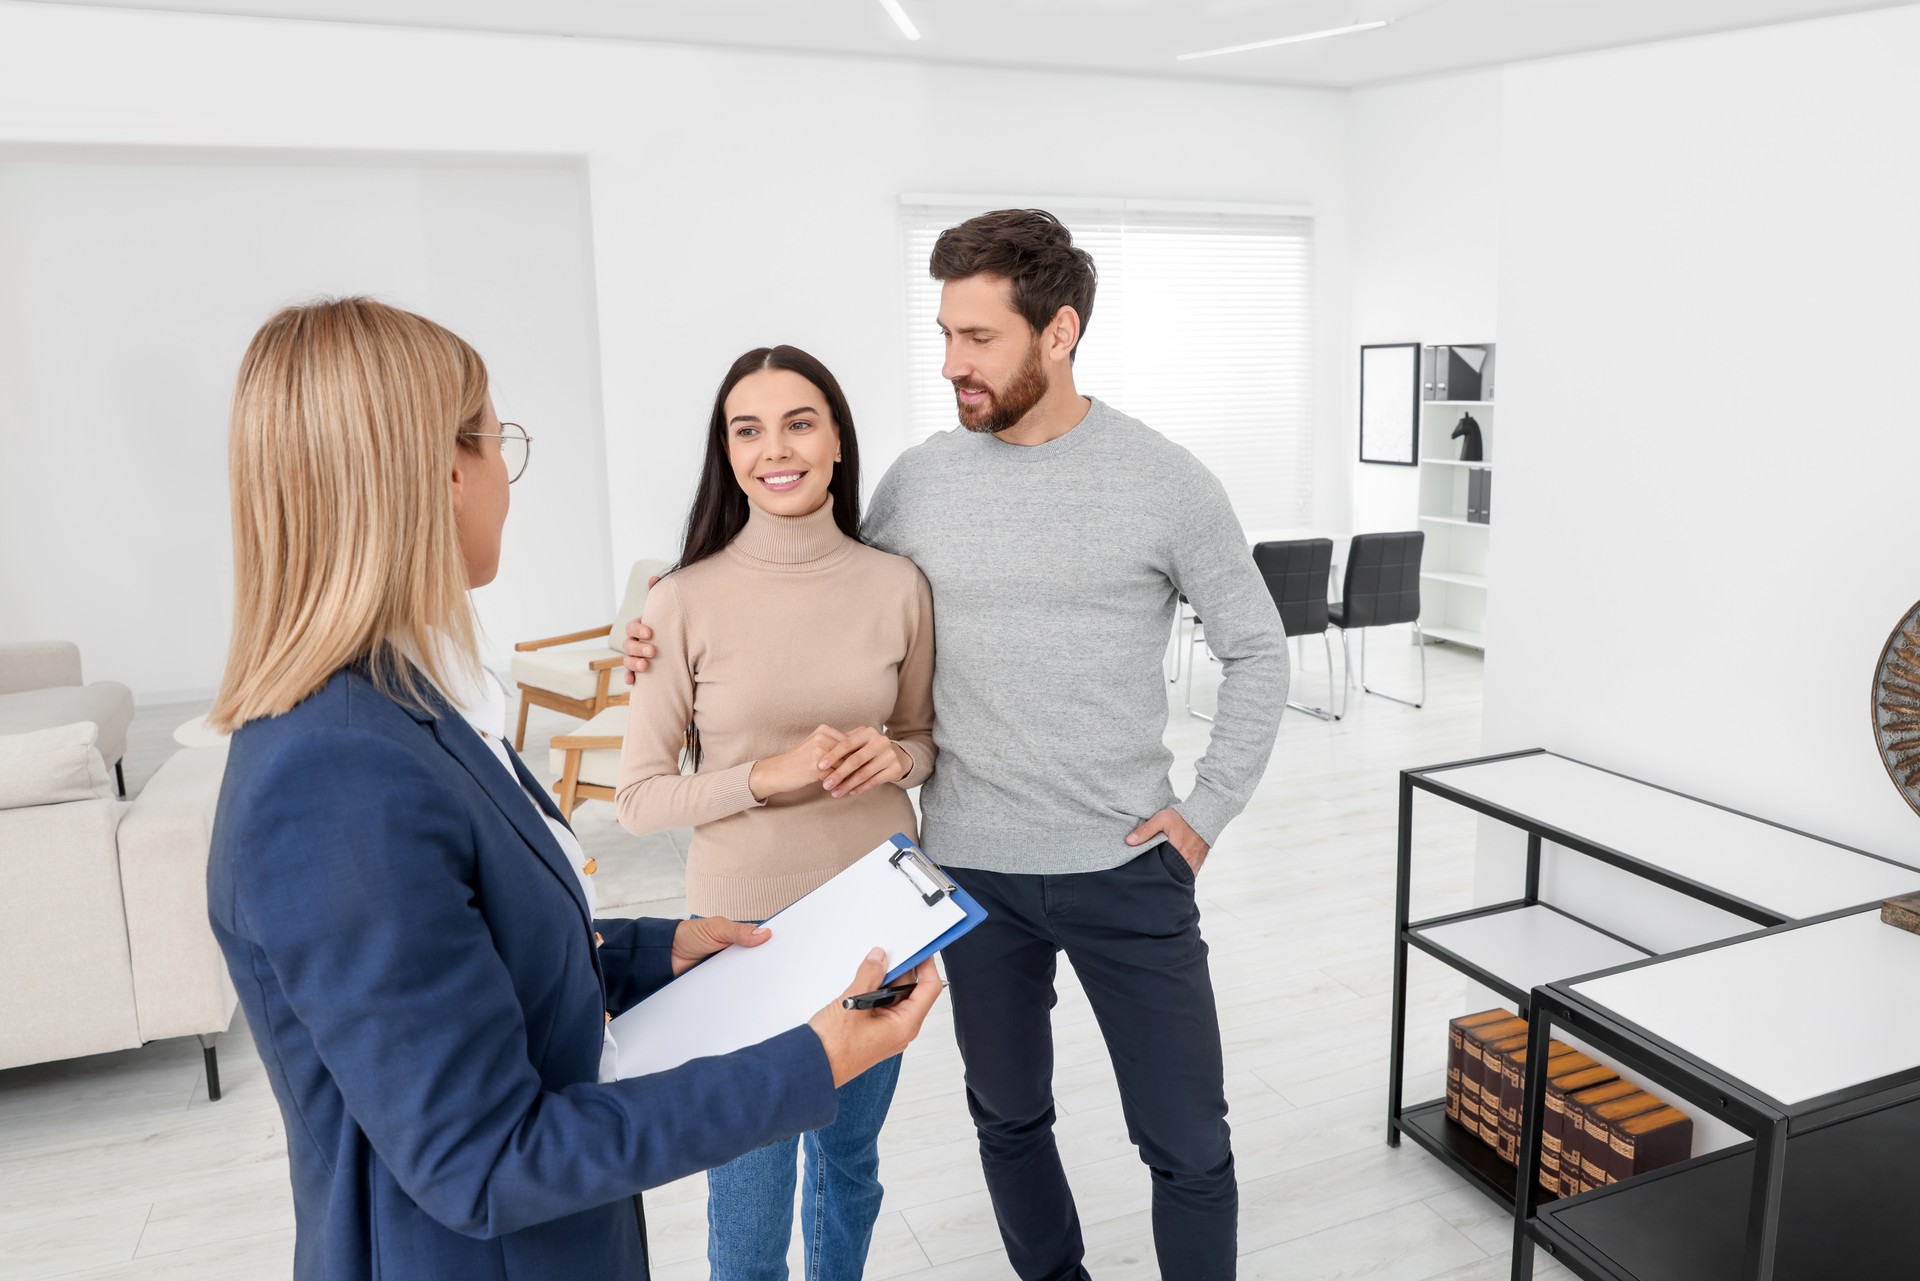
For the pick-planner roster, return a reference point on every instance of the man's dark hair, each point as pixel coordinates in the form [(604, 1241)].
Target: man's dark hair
[(1032, 250)]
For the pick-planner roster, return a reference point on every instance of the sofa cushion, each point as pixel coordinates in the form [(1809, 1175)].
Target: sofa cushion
[(53, 766), (108, 704)]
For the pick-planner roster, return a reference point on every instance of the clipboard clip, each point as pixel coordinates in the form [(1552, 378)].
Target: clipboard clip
[(922, 874)]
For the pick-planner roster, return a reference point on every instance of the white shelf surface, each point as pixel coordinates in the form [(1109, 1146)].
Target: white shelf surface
[(1743, 1007), (1457, 635), (1788, 874), (1528, 946), (1459, 580), (1454, 520), (1455, 462), (1456, 402)]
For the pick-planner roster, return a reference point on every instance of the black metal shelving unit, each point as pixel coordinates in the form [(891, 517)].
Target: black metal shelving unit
[(1824, 1192), (1425, 1123), (1713, 1218)]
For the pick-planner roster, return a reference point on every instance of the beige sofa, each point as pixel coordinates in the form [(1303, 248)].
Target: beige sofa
[(40, 688), (104, 941)]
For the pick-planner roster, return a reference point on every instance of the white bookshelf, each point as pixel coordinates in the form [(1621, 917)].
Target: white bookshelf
[(1453, 568)]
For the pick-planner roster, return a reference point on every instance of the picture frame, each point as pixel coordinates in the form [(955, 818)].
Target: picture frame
[(1390, 403)]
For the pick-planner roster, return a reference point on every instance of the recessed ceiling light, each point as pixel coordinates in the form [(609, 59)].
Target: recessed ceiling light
[(900, 19), (1268, 44)]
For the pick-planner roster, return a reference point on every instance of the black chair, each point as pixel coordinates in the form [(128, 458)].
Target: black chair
[(1297, 573), (1382, 590)]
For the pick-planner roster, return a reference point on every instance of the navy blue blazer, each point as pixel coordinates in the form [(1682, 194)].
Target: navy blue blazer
[(419, 971)]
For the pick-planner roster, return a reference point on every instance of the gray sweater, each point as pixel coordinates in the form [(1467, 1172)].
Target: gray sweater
[(1055, 571)]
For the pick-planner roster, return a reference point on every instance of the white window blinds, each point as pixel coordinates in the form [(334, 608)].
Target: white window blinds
[(1202, 328)]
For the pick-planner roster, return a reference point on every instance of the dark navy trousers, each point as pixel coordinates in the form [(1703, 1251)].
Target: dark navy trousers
[(1133, 937)]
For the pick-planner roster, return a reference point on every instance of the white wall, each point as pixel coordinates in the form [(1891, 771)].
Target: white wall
[(1423, 199), (134, 279), (735, 198), (1707, 282)]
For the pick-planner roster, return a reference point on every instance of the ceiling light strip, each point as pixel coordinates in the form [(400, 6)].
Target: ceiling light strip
[(1267, 44), (900, 19)]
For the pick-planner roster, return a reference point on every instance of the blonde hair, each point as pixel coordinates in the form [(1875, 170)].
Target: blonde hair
[(345, 418)]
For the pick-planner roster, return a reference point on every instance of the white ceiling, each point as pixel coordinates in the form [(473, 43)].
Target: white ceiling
[(1126, 36)]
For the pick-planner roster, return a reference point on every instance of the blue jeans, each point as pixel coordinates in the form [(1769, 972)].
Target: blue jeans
[(750, 1199)]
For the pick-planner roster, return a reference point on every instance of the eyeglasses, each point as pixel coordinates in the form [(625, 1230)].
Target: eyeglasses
[(515, 447)]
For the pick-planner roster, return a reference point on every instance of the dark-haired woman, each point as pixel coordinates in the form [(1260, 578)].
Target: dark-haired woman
[(797, 665)]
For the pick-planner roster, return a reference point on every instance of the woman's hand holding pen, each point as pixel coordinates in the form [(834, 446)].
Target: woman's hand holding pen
[(856, 1040), (864, 758)]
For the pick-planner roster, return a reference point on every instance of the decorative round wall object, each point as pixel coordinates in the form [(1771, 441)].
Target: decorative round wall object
[(1896, 706)]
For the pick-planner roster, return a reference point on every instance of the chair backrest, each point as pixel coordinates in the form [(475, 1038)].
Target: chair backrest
[(635, 600), (1296, 572), (1383, 579)]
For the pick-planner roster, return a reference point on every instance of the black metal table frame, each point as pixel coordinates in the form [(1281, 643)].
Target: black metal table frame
[(1770, 1121), (1406, 932)]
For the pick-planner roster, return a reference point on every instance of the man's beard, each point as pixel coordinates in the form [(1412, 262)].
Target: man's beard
[(1005, 406)]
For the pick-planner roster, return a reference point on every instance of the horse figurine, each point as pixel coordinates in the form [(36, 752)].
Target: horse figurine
[(1470, 449)]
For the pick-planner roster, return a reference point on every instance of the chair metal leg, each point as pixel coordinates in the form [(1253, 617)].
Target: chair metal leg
[(120, 776), (1420, 639), (1323, 713), (1195, 641), (213, 1065)]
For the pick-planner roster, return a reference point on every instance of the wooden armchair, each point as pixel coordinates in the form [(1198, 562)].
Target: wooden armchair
[(587, 759), (579, 680)]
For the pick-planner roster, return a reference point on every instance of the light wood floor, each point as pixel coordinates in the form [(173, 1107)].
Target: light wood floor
[(117, 1166)]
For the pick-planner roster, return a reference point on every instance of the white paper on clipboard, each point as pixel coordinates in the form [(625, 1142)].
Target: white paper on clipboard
[(744, 995)]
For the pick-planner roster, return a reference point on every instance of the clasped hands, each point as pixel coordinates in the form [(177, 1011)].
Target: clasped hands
[(843, 762)]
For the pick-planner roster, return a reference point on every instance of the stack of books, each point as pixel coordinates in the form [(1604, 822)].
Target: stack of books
[(1599, 1129)]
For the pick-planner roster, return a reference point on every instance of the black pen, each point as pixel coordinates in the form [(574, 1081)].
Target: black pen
[(879, 1000)]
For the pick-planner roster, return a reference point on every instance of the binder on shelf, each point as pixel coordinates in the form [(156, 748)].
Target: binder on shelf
[(1462, 371), (894, 897), (1479, 486)]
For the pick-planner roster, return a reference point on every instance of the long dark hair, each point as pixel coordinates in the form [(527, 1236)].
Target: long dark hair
[(719, 504)]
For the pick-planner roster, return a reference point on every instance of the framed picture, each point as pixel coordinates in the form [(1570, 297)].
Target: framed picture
[(1390, 403)]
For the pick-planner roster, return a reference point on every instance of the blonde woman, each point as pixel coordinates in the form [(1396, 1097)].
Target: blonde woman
[(403, 910)]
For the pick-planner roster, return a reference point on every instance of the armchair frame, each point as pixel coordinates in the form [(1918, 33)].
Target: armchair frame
[(581, 708), (570, 789)]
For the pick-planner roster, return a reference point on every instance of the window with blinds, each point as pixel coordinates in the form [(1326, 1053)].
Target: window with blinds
[(1202, 328)]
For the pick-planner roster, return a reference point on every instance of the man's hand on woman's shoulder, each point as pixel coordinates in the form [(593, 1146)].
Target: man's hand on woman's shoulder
[(639, 652)]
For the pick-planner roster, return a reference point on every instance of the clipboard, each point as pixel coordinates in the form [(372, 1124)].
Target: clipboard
[(893, 897)]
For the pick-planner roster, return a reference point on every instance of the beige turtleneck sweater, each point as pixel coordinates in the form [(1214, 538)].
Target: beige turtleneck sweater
[(792, 626)]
